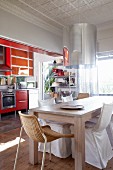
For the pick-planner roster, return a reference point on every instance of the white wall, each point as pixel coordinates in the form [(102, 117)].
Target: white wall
[(105, 40), (21, 30)]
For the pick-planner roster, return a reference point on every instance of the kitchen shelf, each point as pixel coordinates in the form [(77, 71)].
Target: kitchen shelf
[(71, 76), (64, 86), (22, 62), (57, 64), (65, 83)]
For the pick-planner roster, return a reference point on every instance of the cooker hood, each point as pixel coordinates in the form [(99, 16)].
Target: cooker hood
[(82, 44), (4, 68), (5, 62)]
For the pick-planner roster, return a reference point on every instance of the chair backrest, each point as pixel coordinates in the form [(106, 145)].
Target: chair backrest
[(32, 127), (105, 117), (46, 102), (82, 95), (67, 98)]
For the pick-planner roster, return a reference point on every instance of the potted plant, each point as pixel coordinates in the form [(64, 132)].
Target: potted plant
[(48, 81)]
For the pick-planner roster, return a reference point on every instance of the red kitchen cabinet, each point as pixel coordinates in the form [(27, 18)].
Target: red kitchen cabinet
[(22, 62), (0, 101), (5, 59), (8, 59), (21, 99), (21, 102)]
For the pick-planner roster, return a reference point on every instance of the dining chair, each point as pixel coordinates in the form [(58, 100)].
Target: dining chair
[(82, 95), (38, 133), (46, 102), (67, 98), (61, 147), (98, 149), (110, 131)]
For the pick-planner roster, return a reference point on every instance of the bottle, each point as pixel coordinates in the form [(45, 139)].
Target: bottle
[(15, 86), (36, 84), (8, 81), (14, 79)]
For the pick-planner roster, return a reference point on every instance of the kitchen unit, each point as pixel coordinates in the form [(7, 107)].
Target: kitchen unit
[(2, 51), (33, 98), (21, 99), (17, 99), (22, 62), (65, 82), (5, 62), (17, 62), (8, 99), (13, 100)]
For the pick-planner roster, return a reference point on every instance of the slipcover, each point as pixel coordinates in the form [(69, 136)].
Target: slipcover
[(98, 149)]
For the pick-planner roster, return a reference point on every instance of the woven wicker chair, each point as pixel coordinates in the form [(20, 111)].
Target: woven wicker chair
[(62, 147), (38, 133), (82, 95)]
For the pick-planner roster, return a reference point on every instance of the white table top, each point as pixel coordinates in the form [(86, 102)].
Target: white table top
[(90, 104)]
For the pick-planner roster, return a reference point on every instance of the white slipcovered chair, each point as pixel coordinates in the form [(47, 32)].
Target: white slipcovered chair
[(98, 149), (46, 102), (110, 131), (109, 128), (61, 147), (67, 98)]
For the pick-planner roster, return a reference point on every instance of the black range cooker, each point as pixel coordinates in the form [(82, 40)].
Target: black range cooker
[(8, 98)]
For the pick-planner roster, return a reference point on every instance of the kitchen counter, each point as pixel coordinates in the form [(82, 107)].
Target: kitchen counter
[(28, 89)]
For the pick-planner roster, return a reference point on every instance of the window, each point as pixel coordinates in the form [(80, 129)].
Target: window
[(105, 75)]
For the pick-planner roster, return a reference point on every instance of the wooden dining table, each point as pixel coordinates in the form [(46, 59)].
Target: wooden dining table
[(77, 117)]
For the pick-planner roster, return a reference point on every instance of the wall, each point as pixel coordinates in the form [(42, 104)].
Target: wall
[(105, 40), (21, 30), (18, 29)]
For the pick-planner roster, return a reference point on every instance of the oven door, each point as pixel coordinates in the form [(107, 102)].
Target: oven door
[(8, 100)]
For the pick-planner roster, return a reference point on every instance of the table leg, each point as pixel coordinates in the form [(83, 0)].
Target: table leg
[(79, 132), (33, 152)]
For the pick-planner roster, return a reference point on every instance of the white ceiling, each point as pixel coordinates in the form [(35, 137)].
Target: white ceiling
[(60, 13)]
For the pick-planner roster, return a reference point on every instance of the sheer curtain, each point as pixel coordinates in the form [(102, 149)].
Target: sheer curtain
[(87, 79)]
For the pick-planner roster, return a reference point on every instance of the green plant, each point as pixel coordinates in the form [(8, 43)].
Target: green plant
[(49, 80), (20, 79)]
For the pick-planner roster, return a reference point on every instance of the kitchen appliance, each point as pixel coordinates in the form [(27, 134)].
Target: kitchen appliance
[(83, 44), (31, 84), (4, 65), (22, 85), (8, 99), (33, 98)]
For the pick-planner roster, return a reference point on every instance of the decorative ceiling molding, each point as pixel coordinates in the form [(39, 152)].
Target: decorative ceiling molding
[(53, 15), (8, 42), (13, 9)]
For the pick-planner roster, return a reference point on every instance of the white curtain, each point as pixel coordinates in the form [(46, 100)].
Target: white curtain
[(87, 79)]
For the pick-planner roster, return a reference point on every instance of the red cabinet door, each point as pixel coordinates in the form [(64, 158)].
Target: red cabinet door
[(0, 102), (8, 59), (21, 95), (23, 104), (21, 99)]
